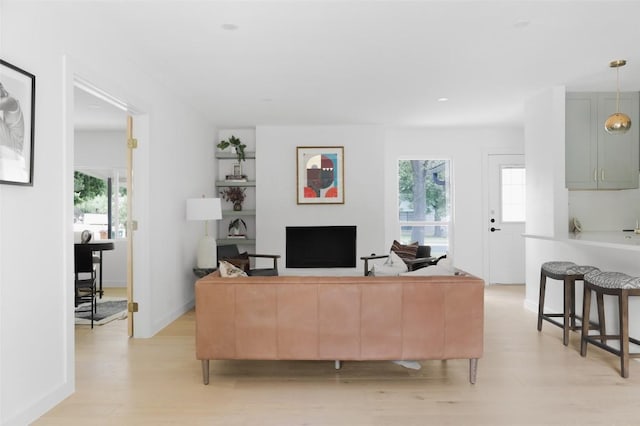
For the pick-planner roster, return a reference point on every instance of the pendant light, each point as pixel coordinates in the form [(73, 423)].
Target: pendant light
[(618, 123)]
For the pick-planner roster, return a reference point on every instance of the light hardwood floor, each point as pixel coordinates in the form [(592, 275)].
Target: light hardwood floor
[(524, 378)]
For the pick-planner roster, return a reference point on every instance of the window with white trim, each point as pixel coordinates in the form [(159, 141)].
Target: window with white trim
[(424, 203)]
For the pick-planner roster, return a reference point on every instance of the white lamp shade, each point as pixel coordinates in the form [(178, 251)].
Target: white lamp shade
[(204, 209)]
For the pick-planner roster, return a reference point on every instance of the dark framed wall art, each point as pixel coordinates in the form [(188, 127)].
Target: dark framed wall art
[(17, 120), (320, 174)]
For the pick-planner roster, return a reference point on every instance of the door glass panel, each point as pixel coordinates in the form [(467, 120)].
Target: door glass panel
[(513, 183)]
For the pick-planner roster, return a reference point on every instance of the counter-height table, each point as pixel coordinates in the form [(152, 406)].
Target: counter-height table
[(98, 247)]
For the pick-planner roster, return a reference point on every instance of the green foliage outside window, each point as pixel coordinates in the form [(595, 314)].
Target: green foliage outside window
[(422, 184), (423, 191), (90, 196), (89, 193)]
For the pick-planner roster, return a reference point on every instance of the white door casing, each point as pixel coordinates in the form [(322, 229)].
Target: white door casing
[(506, 257)]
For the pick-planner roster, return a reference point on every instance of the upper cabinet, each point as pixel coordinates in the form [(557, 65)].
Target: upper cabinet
[(594, 158)]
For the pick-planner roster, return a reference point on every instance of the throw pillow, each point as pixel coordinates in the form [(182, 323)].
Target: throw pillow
[(393, 266), (228, 270), (405, 251), (241, 260)]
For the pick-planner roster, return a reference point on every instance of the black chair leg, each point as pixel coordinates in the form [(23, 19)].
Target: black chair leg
[(543, 282)]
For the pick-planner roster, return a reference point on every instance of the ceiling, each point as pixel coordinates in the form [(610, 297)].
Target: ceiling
[(248, 63), (94, 113)]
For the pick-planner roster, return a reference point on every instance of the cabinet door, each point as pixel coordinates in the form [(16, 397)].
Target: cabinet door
[(618, 155), (581, 143)]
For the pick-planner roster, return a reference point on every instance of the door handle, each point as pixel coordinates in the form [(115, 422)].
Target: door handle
[(494, 229)]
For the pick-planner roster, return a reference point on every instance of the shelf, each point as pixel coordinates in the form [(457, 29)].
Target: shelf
[(230, 213), (223, 183), (238, 241), (221, 155)]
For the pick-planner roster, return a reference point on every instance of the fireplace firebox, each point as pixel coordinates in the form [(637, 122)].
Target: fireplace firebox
[(321, 246)]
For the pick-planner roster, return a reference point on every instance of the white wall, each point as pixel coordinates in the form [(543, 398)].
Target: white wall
[(174, 162), (467, 148), (100, 149), (371, 157), (605, 210), (364, 176), (547, 206)]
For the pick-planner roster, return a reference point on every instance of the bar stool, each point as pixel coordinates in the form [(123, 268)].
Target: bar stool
[(622, 286), (568, 273)]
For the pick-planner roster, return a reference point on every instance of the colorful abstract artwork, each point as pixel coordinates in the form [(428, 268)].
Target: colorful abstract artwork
[(320, 171)]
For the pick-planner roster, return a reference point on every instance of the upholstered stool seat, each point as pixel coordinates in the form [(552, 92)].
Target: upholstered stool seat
[(621, 286), (568, 273)]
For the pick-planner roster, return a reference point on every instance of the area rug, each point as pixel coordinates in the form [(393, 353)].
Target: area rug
[(109, 309)]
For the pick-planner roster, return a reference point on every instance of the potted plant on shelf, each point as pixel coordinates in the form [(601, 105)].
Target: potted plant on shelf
[(236, 144), (236, 227), (240, 155), (235, 195)]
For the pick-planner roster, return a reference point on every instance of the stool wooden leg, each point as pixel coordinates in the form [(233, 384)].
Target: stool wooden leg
[(567, 311), (623, 302), (586, 307), (601, 324), (572, 292), (543, 282)]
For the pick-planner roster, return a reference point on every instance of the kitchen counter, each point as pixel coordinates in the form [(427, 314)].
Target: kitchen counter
[(619, 240), (610, 251), (613, 239)]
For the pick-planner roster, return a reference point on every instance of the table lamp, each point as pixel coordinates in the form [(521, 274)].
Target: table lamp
[(205, 209)]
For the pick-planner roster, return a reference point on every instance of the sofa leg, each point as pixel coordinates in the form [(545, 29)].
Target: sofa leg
[(473, 369), (337, 364), (205, 371)]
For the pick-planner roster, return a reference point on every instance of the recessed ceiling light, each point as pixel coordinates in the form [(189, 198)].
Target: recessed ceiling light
[(229, 27), (443, 99)]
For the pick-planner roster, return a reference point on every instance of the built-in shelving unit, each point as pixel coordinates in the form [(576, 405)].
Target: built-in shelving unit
[(225, 161)]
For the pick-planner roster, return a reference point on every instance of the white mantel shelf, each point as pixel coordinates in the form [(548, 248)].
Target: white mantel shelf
[(614, 239)]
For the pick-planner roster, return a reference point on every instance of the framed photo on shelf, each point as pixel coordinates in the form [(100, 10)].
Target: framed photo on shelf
[(17, 111), (320, 174)]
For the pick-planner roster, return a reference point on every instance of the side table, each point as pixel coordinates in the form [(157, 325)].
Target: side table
[(201, 272)]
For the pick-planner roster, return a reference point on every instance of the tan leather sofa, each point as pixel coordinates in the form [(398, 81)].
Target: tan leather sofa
[(339, 318)]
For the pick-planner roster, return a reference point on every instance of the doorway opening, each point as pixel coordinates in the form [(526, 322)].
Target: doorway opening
[(101, 195)]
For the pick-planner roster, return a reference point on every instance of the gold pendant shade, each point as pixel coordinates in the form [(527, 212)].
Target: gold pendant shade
[(617, 123)]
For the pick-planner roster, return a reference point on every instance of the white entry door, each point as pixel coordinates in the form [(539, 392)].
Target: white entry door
[(506, 219)]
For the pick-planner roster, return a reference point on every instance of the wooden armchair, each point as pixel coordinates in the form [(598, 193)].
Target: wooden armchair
[(231, 254), (423, 259)]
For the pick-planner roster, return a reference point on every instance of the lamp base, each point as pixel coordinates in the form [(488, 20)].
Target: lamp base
[(207, 253)]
